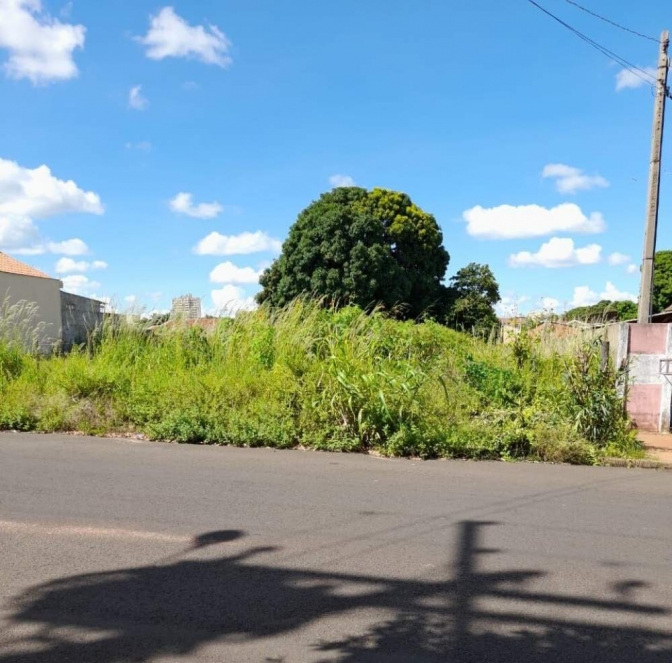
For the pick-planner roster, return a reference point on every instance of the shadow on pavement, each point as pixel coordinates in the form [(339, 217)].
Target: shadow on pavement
[(172, 608)]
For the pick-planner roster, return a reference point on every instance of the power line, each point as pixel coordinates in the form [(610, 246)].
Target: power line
[(606, 20), (644, 75), (640, 73)]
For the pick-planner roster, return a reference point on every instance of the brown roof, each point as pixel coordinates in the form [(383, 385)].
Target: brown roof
[(14, 266)]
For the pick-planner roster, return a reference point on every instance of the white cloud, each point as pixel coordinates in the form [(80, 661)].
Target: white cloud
[(68, 265), (509, 305), (615, 295), (632, 268), (79, 284), (216, 244), (190, 85), (514, 222), (227, 272), (37, 193), (550, 304), (142, 146), (70, 247), (584, 296), (130, 299), (135, 99), (617, 258), (231, 299), (170, 35), (341, 180), (18, 234), (628, 79), (557, 252), (570, 180), (40, 47), (183, 204)]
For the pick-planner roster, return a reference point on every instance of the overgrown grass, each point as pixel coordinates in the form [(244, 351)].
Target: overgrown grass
[(337, 380)]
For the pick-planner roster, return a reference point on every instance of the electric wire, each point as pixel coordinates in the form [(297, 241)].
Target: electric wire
[(606, 20), (640, 73)]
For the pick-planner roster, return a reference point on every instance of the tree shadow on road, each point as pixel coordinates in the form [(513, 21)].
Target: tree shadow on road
[(174, 607)]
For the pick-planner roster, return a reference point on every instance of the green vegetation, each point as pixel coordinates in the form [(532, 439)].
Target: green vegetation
[(325, 379), (662, 281), (378, 249), (604, 311), (157, 319), (474, 292)]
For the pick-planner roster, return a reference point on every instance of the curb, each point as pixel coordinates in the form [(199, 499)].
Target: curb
[(643, 463)]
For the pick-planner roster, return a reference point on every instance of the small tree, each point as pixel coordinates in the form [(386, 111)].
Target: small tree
[(474, 291)]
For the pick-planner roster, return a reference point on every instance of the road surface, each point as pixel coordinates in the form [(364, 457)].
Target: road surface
[(114, 550)]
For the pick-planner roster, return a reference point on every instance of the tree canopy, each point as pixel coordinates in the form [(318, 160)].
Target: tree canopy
[(354, 246), (474, 291), (604, 311)]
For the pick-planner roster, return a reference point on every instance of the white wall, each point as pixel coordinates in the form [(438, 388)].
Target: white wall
[(45, 293)]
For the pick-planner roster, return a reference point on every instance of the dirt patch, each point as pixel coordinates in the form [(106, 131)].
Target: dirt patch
[(658, 446)]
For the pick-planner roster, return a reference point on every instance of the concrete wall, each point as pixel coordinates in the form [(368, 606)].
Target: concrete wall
[(617, 337), (80, 316), (45, 294), (646, 348)]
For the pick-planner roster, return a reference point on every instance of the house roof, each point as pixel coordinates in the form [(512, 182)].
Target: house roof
[(14, 266)]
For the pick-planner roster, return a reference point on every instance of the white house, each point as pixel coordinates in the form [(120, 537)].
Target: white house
[(21, 283)]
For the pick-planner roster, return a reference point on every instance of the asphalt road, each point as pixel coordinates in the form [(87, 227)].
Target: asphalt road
[(112, 550)]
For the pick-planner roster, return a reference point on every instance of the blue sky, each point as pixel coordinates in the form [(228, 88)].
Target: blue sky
[(478, 109)]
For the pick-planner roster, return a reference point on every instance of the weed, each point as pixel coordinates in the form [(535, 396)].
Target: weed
[(594, 401)]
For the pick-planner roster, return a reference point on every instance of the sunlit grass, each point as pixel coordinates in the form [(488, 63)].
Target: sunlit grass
[(314, 377)]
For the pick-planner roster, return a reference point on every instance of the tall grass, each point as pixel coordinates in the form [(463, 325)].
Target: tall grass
[(309, 376), (19, 324)]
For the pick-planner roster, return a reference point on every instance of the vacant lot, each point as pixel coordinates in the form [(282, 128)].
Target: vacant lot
[(337, 380)]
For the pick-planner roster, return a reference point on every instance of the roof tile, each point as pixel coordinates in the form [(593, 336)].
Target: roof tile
[(14, 266)]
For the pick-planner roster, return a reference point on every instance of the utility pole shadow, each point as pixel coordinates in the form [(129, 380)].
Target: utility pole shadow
[(176, 606)]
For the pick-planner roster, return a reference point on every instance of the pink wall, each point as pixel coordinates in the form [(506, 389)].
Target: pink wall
[(648, 339), (644, 404)]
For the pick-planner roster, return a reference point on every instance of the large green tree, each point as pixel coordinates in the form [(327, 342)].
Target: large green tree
[(354, 246), (473, 293)]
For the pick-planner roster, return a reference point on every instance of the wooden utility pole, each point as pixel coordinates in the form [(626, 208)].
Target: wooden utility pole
[(646, 286)]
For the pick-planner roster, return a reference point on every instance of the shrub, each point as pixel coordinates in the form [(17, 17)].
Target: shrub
[(594, 400)]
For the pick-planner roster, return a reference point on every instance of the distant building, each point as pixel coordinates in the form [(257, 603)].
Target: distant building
[(33, 298), (186, 307)]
